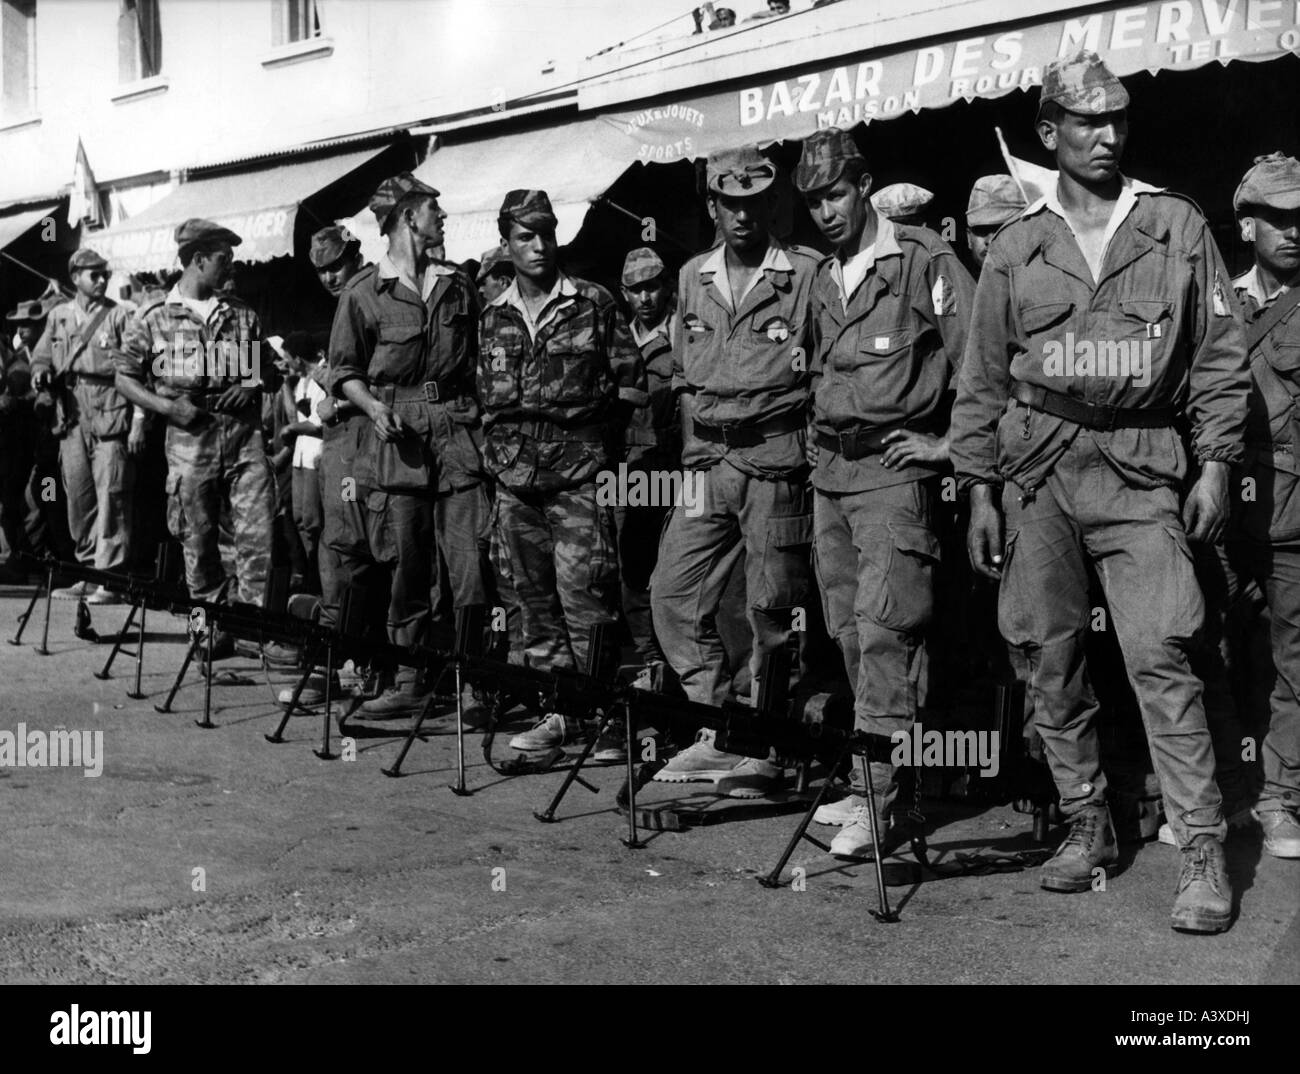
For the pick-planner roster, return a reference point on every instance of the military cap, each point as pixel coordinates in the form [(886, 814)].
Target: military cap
[(1273, 181), (86, 258), (493, 259), (532, 208), (331, 244), (196, 229), (392, 190), (824, 157), (32, 311), (1082, 83), (640, 265), (901, 199), (740, 173), (994, 199)]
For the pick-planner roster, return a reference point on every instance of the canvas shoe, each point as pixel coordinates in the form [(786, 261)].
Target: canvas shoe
[(699, 763)]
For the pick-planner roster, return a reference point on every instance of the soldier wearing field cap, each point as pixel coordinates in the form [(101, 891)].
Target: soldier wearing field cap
[(195, 356), (101, 430), (335, 254), (558, 373), (903, 203), (741, 348), (890, 307), (1264, 542), (495, 272), (1104, 316), (402, 349), (994, 200)]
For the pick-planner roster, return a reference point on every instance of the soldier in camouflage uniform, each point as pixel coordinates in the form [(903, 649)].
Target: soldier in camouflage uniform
[(557, 370), (103, 430), (195, 357)]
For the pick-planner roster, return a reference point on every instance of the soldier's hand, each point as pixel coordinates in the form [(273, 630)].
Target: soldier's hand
[(182, 412), (811, 451), (233, 400), (326, 410), (387, 424), (984, 537), (135, 438), (1205, 514), (908, 446)]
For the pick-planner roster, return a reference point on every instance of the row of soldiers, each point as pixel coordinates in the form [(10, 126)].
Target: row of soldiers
[(1106, 396)]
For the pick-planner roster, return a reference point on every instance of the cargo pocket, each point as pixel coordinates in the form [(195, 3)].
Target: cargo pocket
[(1013, 608), (909, 581), (175, 507), (786, 574), (1179, 592)]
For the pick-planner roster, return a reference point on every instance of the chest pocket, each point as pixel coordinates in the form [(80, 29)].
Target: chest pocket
[(700, 340), (501, 358), (1044, 316), (571, 374), (1145, 318), (875, 346), (400, 347)]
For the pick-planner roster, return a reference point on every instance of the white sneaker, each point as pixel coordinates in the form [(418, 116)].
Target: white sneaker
[(550, 732), (752, 778), (839, 813), (312, 696), (76, 591), (700, 763), (854, 839), (1243, 818)]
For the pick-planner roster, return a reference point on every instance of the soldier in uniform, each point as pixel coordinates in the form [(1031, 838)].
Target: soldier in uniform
[(102, 430), (402, 349), (195, 357), (1101, 314), (740, 361), (495, 273), (994, 200), (903, 203), (558, 372), (18, 437), (890, 307), (1264, 544)]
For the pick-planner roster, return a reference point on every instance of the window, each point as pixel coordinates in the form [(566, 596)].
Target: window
[(139, 41), (18, 59), (294, 20)]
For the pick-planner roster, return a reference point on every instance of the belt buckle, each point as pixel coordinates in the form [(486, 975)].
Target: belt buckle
[(725, 429), (1106, 414), (430, 391)]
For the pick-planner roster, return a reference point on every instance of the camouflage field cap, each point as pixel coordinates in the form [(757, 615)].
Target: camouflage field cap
[(531, 208), (900, 200), (824, 157), (332, 244), (640, 265), (86, 258), (994, 200), (196, 229), (391, 191), (740, 173), (1082, 83), (1273, 181), (496, 259)]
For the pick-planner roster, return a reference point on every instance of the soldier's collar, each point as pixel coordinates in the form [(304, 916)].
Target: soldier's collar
[(387, 270), (1249, 283), (775, 260), (564, 288)]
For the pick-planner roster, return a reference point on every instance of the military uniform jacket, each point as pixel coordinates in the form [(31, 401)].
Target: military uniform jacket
[(745, 365), (1272, 426), (891, 356), (98, 404), (1163, 294), (546, 396), (176, 352), (655, 429)]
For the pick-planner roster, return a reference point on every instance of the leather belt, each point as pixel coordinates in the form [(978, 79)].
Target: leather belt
[(1099, 416), (554, 431), (858, 443), (106, 379), (656, 437), (749, 434), (431, 391)]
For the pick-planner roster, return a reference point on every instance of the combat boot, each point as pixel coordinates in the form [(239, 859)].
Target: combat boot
[(1204, 901), (1090, 844)]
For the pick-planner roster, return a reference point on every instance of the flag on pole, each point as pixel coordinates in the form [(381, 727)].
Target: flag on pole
[(1034, 181), (83, 198)]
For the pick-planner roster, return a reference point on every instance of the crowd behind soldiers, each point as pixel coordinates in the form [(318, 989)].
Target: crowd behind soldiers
[(1107, 397)]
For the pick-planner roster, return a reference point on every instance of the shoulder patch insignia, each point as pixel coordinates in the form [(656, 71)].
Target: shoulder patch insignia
[(1220, 298), (943, 297), (777, 329)]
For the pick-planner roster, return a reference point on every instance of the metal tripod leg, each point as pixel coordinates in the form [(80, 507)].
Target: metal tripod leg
[(117, 644), (324, 752), (278, 734), (547, 816), (773, 879), (23, 619), (44, 650), (395, 769), (190, 653), (135, 694), (459, 789), (206, 723), (884, 914), (632, 842)]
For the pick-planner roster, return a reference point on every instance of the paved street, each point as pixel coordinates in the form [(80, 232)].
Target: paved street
[(329, 872)]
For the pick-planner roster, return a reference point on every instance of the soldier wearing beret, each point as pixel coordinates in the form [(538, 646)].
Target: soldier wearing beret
[(994, 200), (1264, 542), (402, 349), (903, 203), (1102, 316), (741, 350), (102, 431), (195, 356), (890, 308), (557, 372)]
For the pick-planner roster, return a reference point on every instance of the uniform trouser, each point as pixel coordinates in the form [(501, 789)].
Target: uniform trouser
[(344, 540), (309, 519), (14, 473), (402, 530), (773, 520), (1276, 568), (638, 531), (1136, 540), (560, 550), (219, 464), (97, 479)]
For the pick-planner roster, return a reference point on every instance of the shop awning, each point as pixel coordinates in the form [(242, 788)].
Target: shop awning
[(1177, 35), (260, 206), (573, 162), (17, 224)]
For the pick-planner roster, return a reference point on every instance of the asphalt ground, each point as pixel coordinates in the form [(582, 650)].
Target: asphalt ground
[(215, 856)]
